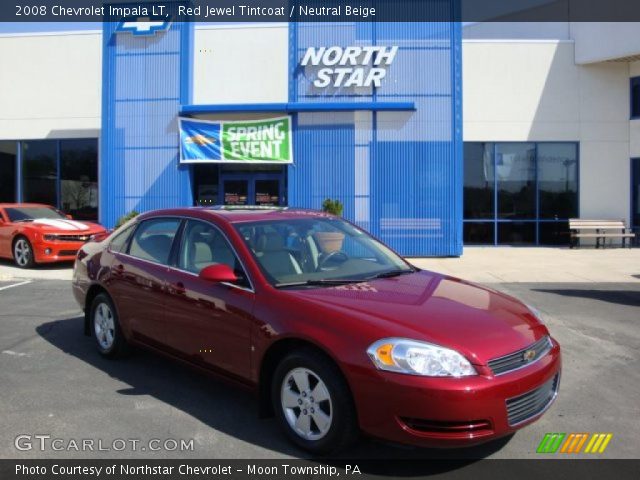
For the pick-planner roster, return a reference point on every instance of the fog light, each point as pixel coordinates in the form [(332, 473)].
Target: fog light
[(47, 251)]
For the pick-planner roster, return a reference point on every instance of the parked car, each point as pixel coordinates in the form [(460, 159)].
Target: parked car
[(335, 332), (32, 233)]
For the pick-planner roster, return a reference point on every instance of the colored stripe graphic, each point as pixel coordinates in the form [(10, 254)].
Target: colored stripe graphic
[(573, 443), (598, 443), (550, 443)]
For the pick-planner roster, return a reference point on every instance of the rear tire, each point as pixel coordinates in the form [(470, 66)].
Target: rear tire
[(23, 253), (105, 328), (313, 403)]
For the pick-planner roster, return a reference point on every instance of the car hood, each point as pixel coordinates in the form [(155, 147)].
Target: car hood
[(479, 322), (63, 226)]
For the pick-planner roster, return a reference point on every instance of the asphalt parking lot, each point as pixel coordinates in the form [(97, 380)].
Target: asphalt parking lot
[(55, 383)]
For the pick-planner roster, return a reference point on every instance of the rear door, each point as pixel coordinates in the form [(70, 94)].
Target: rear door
[(139, 277)]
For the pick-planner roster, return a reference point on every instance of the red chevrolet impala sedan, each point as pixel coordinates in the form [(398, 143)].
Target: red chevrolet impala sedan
[(335, 332), (32, 233)]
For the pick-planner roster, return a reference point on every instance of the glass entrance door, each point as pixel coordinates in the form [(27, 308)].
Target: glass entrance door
[(252, 189)]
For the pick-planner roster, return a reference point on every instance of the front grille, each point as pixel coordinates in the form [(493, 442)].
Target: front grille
[(521, 358), (69, 238), (533, 403)]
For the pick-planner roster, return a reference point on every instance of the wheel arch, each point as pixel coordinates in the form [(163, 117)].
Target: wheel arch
[(93, 291), (272, 357)]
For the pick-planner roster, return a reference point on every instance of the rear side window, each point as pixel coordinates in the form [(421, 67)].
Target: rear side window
[(119, 241), (152, 240)]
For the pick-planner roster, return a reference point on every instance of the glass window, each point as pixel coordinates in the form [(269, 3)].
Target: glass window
[(317, 251), (79, 178), (204, 245), (635, 97), (516, 233), (8, 171), (478, 180), (554, 233), (119, 241), (516, 174), (558, 180), (153, 239), (39, 171), (479, 233)]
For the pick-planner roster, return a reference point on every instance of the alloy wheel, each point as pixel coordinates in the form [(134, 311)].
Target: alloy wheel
[(22, 252), (104, 325), (306, 403)]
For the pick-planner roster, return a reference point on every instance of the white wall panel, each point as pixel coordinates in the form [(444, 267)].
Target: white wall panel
[(241, 64), (50, 85)]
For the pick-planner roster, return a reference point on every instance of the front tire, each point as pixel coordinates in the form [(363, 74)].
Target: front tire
[(313, 403), (23, 253), (105, 327)]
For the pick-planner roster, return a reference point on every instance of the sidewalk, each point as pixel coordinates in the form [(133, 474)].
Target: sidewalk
[(478, 264), (544, 265)]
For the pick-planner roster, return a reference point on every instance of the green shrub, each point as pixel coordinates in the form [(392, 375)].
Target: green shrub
[(125, 218), (334, 207)]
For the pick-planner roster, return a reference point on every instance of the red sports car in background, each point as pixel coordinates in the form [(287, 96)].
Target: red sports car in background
[(335, 332), (31, 233)]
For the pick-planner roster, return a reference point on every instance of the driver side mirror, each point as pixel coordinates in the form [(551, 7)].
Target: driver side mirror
[(218, 273)]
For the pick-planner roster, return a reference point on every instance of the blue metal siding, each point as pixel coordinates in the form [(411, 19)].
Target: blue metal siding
[(143, 85), (398, 173)]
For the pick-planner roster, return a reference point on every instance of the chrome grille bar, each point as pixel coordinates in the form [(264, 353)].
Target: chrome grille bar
[(516, 360), (531, 404)]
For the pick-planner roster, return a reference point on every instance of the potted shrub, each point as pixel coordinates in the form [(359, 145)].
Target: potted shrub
[(125, 218), (330, 241)]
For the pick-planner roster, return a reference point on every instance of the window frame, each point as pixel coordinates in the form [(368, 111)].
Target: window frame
[(177, 246)]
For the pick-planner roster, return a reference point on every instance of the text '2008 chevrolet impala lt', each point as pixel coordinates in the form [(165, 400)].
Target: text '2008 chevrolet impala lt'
[(335, 332)]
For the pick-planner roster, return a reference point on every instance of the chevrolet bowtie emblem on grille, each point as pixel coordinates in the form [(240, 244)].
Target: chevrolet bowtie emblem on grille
[(201, 140), (529, 355)]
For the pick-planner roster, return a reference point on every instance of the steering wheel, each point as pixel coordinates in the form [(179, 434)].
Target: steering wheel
[(338, 255)]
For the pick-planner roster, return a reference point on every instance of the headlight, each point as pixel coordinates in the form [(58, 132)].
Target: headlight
[(49, 238), (402, 355)]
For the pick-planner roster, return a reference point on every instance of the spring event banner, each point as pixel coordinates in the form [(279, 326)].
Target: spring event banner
[(251, 141)]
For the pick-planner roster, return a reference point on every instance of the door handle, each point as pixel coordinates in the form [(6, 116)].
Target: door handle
[(118, 269)]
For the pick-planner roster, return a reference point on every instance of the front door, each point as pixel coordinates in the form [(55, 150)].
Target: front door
[(263, 189)]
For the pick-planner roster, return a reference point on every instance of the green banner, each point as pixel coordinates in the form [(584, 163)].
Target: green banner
[(255, 141), (258, 140)]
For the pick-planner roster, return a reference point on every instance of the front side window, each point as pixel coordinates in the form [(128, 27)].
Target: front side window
[(204, 245), (310, 251), (152, 239), (119, 241)]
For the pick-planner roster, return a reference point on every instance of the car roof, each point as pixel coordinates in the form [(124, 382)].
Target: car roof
[(247, 213)]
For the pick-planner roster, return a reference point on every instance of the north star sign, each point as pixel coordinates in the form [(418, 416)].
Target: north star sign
[(350, 66)]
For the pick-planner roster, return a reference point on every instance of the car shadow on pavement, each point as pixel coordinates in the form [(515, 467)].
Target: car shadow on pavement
[(629, 297), (232, 410)]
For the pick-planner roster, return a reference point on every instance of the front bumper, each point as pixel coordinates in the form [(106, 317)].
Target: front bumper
[(451, 412), (56, 251)]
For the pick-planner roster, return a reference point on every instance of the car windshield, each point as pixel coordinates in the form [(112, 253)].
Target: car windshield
[(26, 214), (318, 251)]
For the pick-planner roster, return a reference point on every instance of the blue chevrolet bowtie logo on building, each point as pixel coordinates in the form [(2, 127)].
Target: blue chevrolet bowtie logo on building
[(143, 26)]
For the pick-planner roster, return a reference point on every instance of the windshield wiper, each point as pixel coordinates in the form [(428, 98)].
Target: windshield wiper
[(391, 273), (322, 282), (23, 220)]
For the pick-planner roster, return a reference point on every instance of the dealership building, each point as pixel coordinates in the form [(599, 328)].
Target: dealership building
[(432, 135)]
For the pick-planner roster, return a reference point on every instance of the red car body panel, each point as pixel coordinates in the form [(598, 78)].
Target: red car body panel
[(59, 250), (229, 330)]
